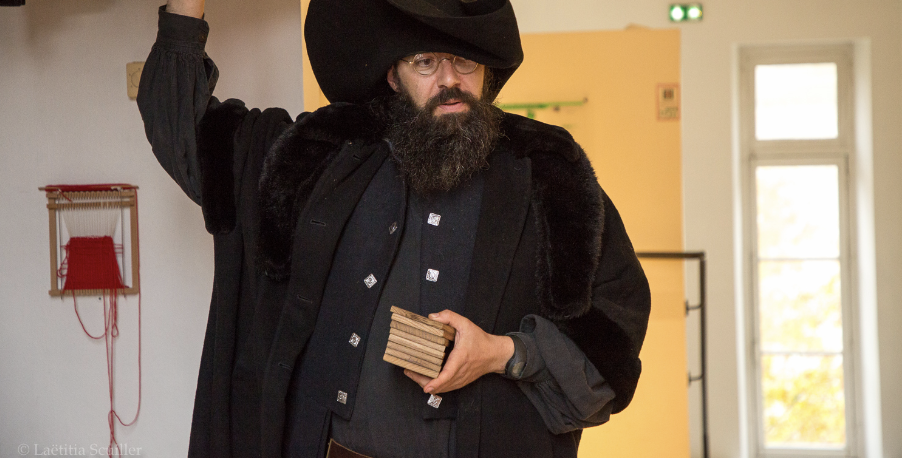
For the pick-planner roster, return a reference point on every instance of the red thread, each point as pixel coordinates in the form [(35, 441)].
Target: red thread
[(90, 264)]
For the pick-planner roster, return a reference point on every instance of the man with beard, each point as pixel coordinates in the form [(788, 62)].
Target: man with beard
[(411, 190)]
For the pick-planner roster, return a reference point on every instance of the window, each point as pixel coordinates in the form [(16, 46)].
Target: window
[(796, 101), (797, 133)]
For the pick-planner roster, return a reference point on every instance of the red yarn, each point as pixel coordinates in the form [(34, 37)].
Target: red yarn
[(90, 264)]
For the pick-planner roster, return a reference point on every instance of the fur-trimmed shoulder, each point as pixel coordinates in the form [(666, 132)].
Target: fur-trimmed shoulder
[(291, 169), (570, 214)]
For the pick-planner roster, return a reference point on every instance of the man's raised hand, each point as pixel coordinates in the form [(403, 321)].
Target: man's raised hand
[(194, 8)]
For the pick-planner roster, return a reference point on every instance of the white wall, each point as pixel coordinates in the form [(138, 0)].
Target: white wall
[(66, 118), (708, 166)]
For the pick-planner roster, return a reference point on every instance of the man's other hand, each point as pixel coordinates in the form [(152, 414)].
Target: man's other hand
[(475, 353)]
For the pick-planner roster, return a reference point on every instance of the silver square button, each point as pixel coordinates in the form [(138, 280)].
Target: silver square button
[(434, 219), (432, 275), (370, 280), (341, 397), (434, 401), (354, 340)]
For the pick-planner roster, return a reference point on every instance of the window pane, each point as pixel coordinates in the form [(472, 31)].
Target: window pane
[(803, 401), (800, 306), (798, 211), (796, 101)]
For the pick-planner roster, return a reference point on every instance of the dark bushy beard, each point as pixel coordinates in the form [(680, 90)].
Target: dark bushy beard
[(435, 153)]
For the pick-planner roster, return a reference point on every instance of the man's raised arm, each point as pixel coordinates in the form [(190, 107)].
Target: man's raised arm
[(175, 91)]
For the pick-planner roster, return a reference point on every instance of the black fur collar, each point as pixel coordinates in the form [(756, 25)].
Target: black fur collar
[(291, 170), (565, 195), (569, 212)]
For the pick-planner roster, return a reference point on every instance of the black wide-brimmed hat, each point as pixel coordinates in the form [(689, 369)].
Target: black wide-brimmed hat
[(352, 43)]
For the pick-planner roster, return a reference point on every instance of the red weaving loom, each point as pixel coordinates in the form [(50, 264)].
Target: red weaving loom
[(94, 264)]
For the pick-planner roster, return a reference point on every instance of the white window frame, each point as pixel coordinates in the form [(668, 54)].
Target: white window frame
[(840, 152)]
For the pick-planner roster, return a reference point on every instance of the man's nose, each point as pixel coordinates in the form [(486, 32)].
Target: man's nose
[(447, 76)]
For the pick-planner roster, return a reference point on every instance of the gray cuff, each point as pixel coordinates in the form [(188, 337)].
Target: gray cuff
[(515, 367), (535, 368), (566, 389)]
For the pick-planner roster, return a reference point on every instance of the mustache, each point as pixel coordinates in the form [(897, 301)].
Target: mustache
[(450, 93)]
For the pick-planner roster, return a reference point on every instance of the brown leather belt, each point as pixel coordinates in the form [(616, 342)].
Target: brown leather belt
[(335, 450)]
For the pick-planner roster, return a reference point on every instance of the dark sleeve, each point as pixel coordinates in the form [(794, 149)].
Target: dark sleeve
[(206, 146), (174, 94), (612, 332), (563, 385), (578, 378)]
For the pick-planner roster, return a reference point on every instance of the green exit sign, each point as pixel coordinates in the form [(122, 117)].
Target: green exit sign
[(682, 12)]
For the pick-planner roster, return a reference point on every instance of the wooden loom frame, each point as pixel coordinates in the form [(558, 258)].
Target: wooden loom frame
[(121, 196)]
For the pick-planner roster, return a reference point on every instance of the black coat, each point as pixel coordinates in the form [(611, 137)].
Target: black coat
[(276, 195)]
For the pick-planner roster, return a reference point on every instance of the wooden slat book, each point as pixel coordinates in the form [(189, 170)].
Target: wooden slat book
[(447, 332), (418, 340), (402, 340), (413, 352), (417, 343), (413, 367), (394, 324), (413, 359)]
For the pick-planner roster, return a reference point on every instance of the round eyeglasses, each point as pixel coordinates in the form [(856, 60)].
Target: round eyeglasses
[(427, 63)]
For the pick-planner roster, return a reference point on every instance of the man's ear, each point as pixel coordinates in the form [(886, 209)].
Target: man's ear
[(391, 79)]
